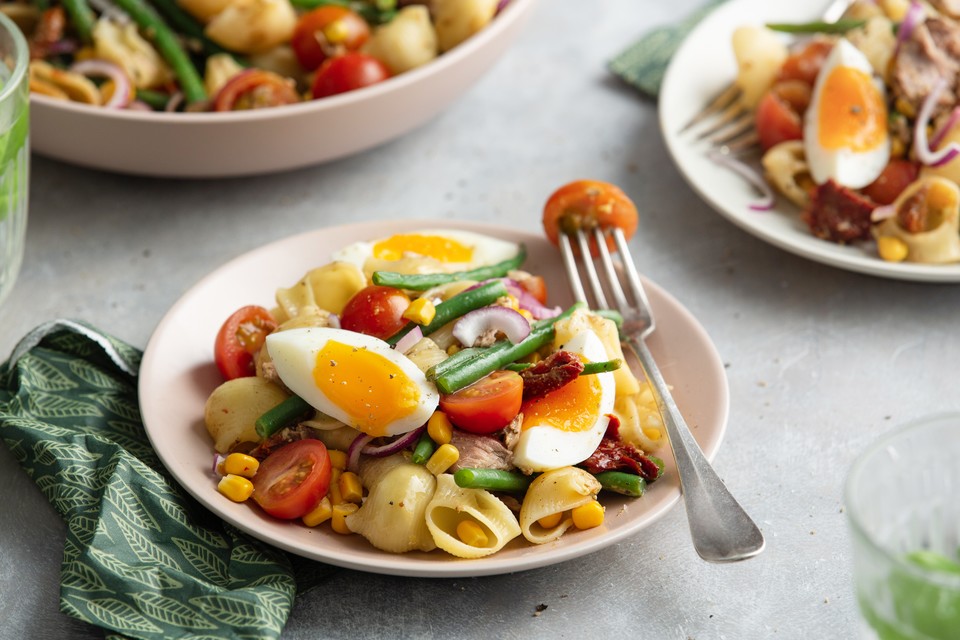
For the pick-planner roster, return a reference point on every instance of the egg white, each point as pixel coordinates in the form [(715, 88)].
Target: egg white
[(294, 353), (845, 166), (543, 447), (486, 251)]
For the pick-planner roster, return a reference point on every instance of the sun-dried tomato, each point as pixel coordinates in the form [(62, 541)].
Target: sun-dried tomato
[(551, 373), (613, 454)]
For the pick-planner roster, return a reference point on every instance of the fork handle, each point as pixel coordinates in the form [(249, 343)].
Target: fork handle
[(721, 529)]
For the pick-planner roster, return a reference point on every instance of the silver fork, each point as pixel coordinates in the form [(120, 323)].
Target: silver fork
[(725, 122), (721, 530)]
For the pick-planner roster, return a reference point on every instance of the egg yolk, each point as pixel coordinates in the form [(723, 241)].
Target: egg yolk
[(851, 113), (371, 389), (437, 247), (573, 407)]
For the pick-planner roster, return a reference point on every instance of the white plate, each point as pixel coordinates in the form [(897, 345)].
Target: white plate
[(177, 375), (208, 145), (702, 66)]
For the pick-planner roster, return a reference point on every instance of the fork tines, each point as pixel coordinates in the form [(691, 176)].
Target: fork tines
[(725, 122), (633, 306)]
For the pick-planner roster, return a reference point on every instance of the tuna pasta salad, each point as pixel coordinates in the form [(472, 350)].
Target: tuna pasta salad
[(859, 124), (419, 390)]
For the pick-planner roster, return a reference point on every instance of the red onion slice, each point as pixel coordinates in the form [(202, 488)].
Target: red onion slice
[(406, 343), (528, 302), (471, 325), (395, 446), (751, 175), (122, 86), (938, 137), (354, 450), (921, 145), (217, 461), (882, 213), (139, 105), (911, 19)]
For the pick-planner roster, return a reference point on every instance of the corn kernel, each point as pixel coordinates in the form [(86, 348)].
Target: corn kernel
[(653, 434), (442, 459), (84, 53), (892, 249), (452, 349), (320, 514), (472, 533), (338, 459), (241, 464), (350, 488), (549, 522), (338, 517), (420, 311), (439, 428), (526, 314), (235, 487), (587, 516), (336, 32)]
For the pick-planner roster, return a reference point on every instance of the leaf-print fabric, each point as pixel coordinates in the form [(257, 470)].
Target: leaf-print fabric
[(141, 558)]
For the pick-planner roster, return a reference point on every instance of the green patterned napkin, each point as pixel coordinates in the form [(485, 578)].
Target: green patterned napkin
[(141, 558), (643, 64)]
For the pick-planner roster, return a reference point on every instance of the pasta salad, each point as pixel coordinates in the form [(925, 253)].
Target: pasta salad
[(419, 391), (859, 125)]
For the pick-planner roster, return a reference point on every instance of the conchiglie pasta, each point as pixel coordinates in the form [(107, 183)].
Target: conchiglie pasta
[(233, 408), (939, 241), (551, 493), (785, 167), (452, 504), (392, 517), (640, 420), (328, 287)]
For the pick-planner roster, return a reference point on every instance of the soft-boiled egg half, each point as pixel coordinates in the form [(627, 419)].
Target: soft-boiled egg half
[(357, 379), (565, 426), (428, 251), (845, 134)]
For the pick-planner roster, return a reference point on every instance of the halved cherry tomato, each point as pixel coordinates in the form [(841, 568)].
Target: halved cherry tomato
[(805, 63), (327, 32), (779, 115), (255, 89), (293, 479), (348, 72), (239, 338), (487, 405), (587, 204), (376, 311), (892, 181)]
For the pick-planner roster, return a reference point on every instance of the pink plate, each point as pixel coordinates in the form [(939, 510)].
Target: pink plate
[(177, 375)]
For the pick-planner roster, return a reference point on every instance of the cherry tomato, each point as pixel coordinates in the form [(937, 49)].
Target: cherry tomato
[(239, 339), (892, 181), (327, 32), (348, 72), (779, 115), (487, 405), (293, 479), (587, 204), (805, 64), (255, 89), (535, 286), (376, 311)]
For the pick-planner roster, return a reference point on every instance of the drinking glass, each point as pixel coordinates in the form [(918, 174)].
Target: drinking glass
[(14, 151), (903, 505)]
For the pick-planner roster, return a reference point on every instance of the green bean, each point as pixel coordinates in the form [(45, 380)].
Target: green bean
[(188, 26), (156, 99), (169, 46), (424, 281), (840, 26), (82, 17), (492, 480), (628, 484), (462, 303), (282, 415), (602, 366), (424, 449), (465, 370), (610, 314)]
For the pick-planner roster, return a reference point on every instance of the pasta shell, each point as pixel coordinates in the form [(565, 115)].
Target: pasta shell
[(392, 516), (452, 504), (553, 492), (940, 242), (328, 287)]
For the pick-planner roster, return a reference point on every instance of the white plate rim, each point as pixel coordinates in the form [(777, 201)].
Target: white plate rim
[(173, 357), (703, 65)]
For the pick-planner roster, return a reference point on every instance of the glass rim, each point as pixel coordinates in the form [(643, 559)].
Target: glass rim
[(19, 70), (939, 578)]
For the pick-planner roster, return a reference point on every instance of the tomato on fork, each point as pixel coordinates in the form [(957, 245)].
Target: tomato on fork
[(588, 204)]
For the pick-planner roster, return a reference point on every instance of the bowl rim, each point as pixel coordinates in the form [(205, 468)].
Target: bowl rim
[(503, 21), (22, 58)]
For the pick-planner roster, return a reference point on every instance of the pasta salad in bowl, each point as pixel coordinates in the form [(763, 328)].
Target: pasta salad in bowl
[(444, 422), (187, 88)]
